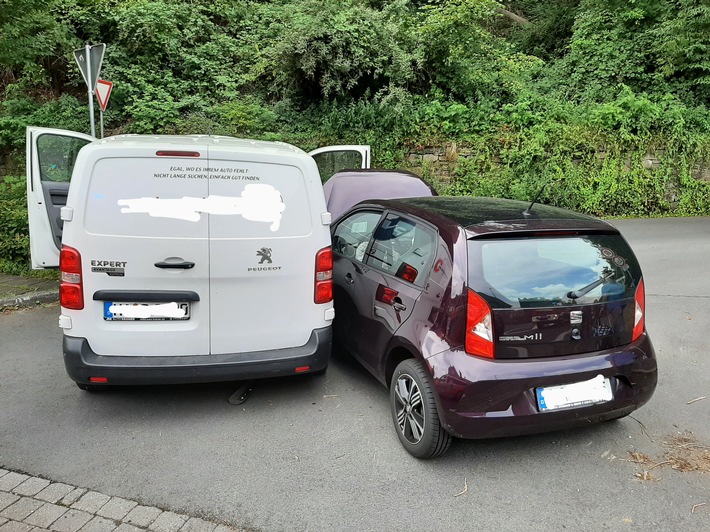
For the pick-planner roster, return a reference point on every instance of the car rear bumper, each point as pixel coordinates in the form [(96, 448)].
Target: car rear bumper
[(82, 363), (482, 398)]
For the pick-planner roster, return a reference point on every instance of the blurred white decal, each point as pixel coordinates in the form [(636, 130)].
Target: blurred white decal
[(257, 203)]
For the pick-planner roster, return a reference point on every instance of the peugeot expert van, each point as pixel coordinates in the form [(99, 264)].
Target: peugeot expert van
[(184, 258)]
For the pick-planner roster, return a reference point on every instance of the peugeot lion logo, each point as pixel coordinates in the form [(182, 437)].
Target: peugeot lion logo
[(265, 254)]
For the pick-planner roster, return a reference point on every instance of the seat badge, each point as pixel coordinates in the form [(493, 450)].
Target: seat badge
[(575, 317)]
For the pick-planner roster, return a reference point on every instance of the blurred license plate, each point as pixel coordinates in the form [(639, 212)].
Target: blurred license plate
[(146, 311), (596, 390)]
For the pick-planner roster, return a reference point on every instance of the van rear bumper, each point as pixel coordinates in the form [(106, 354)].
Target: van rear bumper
[(82, 363)]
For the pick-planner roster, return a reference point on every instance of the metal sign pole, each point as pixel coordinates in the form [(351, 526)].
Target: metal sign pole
[(90, 84)]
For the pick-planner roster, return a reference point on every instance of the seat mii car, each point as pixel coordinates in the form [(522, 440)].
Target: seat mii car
[(184, 258), (488, 317)]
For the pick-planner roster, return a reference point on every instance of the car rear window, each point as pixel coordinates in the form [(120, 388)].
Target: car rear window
[(552, 271)]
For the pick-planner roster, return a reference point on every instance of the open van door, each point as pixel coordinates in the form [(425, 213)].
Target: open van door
[(51, 154), (333, 159)]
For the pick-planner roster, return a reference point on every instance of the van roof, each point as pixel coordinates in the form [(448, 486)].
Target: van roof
[(201, 140)]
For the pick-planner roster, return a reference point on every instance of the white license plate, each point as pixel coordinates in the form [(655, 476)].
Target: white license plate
[(596, 390), (146, 311)]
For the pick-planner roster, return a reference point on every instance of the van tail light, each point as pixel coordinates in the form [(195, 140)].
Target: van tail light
[(639, 312), (71, 288), (324, 276), (479, 327)]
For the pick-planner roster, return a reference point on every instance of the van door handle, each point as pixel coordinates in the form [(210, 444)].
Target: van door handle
[(349, 278), (186, 265)]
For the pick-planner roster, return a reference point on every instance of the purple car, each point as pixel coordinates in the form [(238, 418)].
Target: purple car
[(487, 317)]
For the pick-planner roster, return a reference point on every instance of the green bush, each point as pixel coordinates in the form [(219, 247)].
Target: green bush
[(14, 232)]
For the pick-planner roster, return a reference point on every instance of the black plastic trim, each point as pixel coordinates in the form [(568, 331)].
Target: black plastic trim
[(82, 362), (148, 296)]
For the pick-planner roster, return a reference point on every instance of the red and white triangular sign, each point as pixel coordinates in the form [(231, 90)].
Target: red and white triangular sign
[(103, 92)]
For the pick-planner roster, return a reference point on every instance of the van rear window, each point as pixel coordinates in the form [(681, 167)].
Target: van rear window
[(543, 272), (172, 197)]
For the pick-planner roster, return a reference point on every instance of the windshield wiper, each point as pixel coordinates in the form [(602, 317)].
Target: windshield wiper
[(574, 294)]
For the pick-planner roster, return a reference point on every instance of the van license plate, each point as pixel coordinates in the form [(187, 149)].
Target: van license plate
[(146, 311), (596, 390)]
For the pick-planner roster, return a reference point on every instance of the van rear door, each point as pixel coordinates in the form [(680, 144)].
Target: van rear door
[(333, 159), (141, 225), (263, 248), (51, 154)]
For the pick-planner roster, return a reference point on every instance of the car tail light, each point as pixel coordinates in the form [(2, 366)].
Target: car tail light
[(71, 288), (479, 327), (407, 272), (324, 276), (385, 294), (640, 311)]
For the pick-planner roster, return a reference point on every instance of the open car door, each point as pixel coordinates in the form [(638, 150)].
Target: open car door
[(51, 154), (333, 159)]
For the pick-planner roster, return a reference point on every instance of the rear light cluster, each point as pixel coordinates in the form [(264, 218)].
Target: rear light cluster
[(71, 288), (640, 311), (479, 327), (324, 276)]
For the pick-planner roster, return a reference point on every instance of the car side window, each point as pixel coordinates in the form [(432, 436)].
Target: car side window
[(353, 234), (403, 248), (57, 155)]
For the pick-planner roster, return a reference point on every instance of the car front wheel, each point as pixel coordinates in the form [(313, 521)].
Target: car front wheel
[(414, 412)]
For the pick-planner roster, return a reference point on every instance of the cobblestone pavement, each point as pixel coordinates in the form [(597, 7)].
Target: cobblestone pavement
[(35, 504)]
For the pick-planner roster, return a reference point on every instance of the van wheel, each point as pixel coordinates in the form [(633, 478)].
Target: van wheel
[(88, 387), (414, 412)]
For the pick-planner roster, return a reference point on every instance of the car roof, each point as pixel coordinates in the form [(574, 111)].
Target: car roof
[(348, 187), (484, 216), (199, 141)]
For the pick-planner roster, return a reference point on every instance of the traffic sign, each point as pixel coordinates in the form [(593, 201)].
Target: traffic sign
[(103, 92), (89, 59)]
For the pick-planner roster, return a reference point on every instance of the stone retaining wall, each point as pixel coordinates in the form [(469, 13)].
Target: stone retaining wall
[(441, 161)]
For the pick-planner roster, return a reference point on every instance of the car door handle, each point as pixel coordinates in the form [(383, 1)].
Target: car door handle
[(399, 307), (349, 278), (185, 265)]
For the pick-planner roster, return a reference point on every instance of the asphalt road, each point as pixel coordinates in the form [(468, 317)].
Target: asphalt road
[(320, 453)]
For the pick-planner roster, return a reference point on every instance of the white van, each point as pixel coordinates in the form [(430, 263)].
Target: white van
[(184, 258)]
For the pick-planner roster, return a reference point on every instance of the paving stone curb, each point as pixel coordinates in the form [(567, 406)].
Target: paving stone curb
[(31, 503), (30, 299)]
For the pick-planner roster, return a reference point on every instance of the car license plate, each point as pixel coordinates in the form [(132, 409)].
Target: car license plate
[(146, 311), (596, 390)]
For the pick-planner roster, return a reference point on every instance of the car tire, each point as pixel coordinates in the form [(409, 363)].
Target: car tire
[(414, 412)]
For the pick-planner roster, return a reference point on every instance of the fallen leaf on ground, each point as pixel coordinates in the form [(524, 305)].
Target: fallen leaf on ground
[(465, 488)]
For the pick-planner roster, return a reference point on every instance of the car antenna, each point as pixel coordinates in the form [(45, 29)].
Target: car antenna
[(528, 211)]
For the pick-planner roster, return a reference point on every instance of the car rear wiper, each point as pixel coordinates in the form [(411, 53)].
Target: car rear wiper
[(574, 294)]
